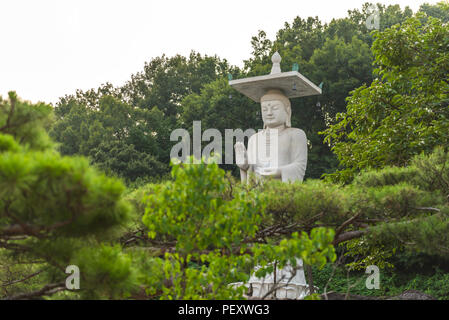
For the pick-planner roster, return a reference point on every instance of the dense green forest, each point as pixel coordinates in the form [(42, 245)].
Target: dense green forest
[(88, 182)]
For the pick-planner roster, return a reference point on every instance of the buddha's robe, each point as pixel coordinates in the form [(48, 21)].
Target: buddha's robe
[(288, 152)]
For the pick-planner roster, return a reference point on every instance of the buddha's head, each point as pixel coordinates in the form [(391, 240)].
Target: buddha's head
[(276, 109)]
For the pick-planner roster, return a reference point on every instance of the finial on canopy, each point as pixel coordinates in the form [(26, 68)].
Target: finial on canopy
[(276, 59)]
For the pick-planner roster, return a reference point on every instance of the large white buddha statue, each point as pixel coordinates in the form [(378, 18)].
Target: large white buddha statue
[(278, 151)]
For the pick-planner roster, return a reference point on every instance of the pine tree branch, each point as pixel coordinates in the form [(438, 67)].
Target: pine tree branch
[(23, 279), (345, 224), (48, 289), (10, 114), (348, 236)]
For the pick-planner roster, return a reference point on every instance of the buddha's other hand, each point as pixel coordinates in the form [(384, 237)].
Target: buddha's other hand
[(241, 157), (270, 172)]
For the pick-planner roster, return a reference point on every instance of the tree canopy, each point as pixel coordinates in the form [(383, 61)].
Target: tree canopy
[(55, 211), (405, 109)]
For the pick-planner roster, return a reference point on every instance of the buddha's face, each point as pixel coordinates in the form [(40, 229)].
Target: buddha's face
[(274, 113)]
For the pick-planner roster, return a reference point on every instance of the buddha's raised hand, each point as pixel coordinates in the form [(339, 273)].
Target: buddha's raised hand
[(241, 157)]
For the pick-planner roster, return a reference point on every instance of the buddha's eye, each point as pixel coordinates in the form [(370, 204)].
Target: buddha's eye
[(275, 107)]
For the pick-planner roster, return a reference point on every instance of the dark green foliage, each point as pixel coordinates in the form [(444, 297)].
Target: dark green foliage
[(305, 204), (25, 122), (431, 280), (31, 178), (403, 112), (416, 217), (108, 272), (439, 10), (125, 131), (387, 177), (116, 137), (52, 208)]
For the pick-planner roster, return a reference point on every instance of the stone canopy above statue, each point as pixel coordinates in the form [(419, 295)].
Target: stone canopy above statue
[(292, 83)]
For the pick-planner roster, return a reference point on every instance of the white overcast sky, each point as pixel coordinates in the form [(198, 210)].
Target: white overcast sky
[(49, 48)]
